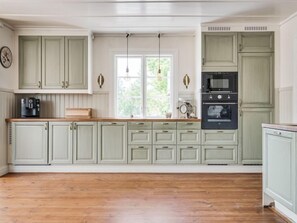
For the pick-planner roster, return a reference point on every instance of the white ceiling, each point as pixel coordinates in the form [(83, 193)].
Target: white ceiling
[(142, 15)]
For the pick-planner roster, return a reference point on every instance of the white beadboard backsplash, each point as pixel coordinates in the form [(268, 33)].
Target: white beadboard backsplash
[(54, 105)]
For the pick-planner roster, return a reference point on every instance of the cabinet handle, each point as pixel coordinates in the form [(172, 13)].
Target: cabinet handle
[(240, 102), (71, 126), (240, 47), (164, 131), (113, 123), (75, 126), (189, 123), (140, 123), (63, 84), (203, 61), (39, 84), (140, 131), (45, 126), (277, 133), (220, 131), (66, 84), (165, 147), (165, 123), (220, 147), (190, 131), (140, 147), (190, 147)]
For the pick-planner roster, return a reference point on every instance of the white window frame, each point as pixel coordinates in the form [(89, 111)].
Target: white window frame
[(144, 55)]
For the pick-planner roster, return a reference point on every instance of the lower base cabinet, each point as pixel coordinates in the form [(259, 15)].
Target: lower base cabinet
[(219, 154), (164, 154), (140, 154), (188, 154)]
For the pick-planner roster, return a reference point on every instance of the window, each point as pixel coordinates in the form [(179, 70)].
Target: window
[(143, 92)]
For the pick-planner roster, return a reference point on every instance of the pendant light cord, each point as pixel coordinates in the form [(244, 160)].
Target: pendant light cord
[(159, 35), (127, 68)]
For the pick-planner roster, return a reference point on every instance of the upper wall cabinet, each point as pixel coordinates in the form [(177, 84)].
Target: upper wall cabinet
[(255, 42), (219, 52), (53, 62)]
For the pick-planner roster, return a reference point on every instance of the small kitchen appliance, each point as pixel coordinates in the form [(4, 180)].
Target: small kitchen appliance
[(30, 108)]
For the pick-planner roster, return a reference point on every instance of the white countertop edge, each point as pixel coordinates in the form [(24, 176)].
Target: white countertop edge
[(134, 168)]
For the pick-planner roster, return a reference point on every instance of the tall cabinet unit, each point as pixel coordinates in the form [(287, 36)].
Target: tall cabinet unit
[(256, 86)]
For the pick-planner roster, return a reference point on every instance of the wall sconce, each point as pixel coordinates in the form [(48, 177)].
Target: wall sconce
[(186, 80), (100, 80)]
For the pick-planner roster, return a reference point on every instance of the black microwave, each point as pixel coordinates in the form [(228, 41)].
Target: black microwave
[(220, 82)]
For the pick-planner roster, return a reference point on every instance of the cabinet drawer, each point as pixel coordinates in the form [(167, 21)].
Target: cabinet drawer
[(219, 154), (164, 154), (164, 125), (164, 136), (189, 125), (188, 136), (188, 154), (219, 137), (139, 125), (140, 154), (139, 137)]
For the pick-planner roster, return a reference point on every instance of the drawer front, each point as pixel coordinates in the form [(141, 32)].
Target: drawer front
[(219, 154), (219, 137), (189, 125), (164, 137), (188, 154), (164, 154), (139, 137), (139, 125), (141, 154), (188, 136), (164, 125)]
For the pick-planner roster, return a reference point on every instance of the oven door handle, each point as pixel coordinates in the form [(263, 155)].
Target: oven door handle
[(219, 103)]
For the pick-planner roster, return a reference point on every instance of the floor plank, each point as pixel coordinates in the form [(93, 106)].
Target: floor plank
[(132, 198)]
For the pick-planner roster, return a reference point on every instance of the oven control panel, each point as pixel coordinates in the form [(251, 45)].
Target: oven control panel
[(219, 97)]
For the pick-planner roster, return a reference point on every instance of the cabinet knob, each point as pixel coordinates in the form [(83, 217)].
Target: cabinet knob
[(39, 84), (63, 84), (66, 84), (45, 126)]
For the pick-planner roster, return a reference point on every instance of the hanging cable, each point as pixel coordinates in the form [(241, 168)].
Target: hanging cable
[(127, 68)]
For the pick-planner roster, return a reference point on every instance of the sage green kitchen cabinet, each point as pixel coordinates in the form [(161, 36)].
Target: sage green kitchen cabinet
[(164, 137), (226, 154), (113, 142), (30, 142), (280, 167), (85, 142), (53, 62), (188, 137), (141, 137), (29, 62), (140, 154), (219, 137), (164, 154), (73, 142), (219, 51), (250, 125), (188, 154), (249, 42), (60, 142), (256, 73), (76, 61)]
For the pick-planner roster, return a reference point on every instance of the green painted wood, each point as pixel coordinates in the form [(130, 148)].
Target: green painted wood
[(188, 125), (164, 125), (164, 154), (255, 42), (219, 51), (53, 62), (164, 137), (188, 154), (140, 137), (30, 142), (280, 167), (140, 154), (188, 137), (76, 62), (140, 125), (113, 142), (219, 137), (29, 62), (219, 154), (60, 142), (85, 142)]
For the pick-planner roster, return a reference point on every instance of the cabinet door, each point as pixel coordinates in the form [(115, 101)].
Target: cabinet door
[(29, 142), (76, 66), (256, 72), (113, 147), (251, 120), (219, 137), (60, 142), (140, 137), (52, 62), (279, 166), (188, 137), (219, 154), (85, 142), (219, 52), (30, 62), (164, 137), (188, 154), (141, 154), (255, 42), (164, 154)]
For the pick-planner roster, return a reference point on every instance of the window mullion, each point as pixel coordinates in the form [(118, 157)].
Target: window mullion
[(144, 85)]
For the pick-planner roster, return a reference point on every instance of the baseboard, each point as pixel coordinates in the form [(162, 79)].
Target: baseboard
[(136, 169), (3, 170), (286, 212)]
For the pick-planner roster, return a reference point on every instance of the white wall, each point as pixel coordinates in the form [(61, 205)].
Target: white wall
[(182, 46), (288, 71)]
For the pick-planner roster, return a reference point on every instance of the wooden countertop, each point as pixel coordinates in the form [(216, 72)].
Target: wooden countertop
[(286, 127), (107, 119)]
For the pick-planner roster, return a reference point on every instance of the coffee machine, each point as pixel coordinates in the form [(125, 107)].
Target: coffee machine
[(30, 107)]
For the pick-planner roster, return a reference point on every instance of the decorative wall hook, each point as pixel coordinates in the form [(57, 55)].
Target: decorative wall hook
[(100, 80), (186, 80)]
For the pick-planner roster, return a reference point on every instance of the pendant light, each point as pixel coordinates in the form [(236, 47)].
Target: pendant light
[(159, 77), (127, 68)]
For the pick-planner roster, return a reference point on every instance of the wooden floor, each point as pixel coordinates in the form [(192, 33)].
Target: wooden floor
[(132, 198)]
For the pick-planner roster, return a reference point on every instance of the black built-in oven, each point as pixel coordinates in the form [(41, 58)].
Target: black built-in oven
[(223, 82)]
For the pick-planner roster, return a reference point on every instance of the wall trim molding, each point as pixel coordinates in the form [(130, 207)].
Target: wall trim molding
[(136, 169), (285, 211), (3, 170), (4, 90)]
